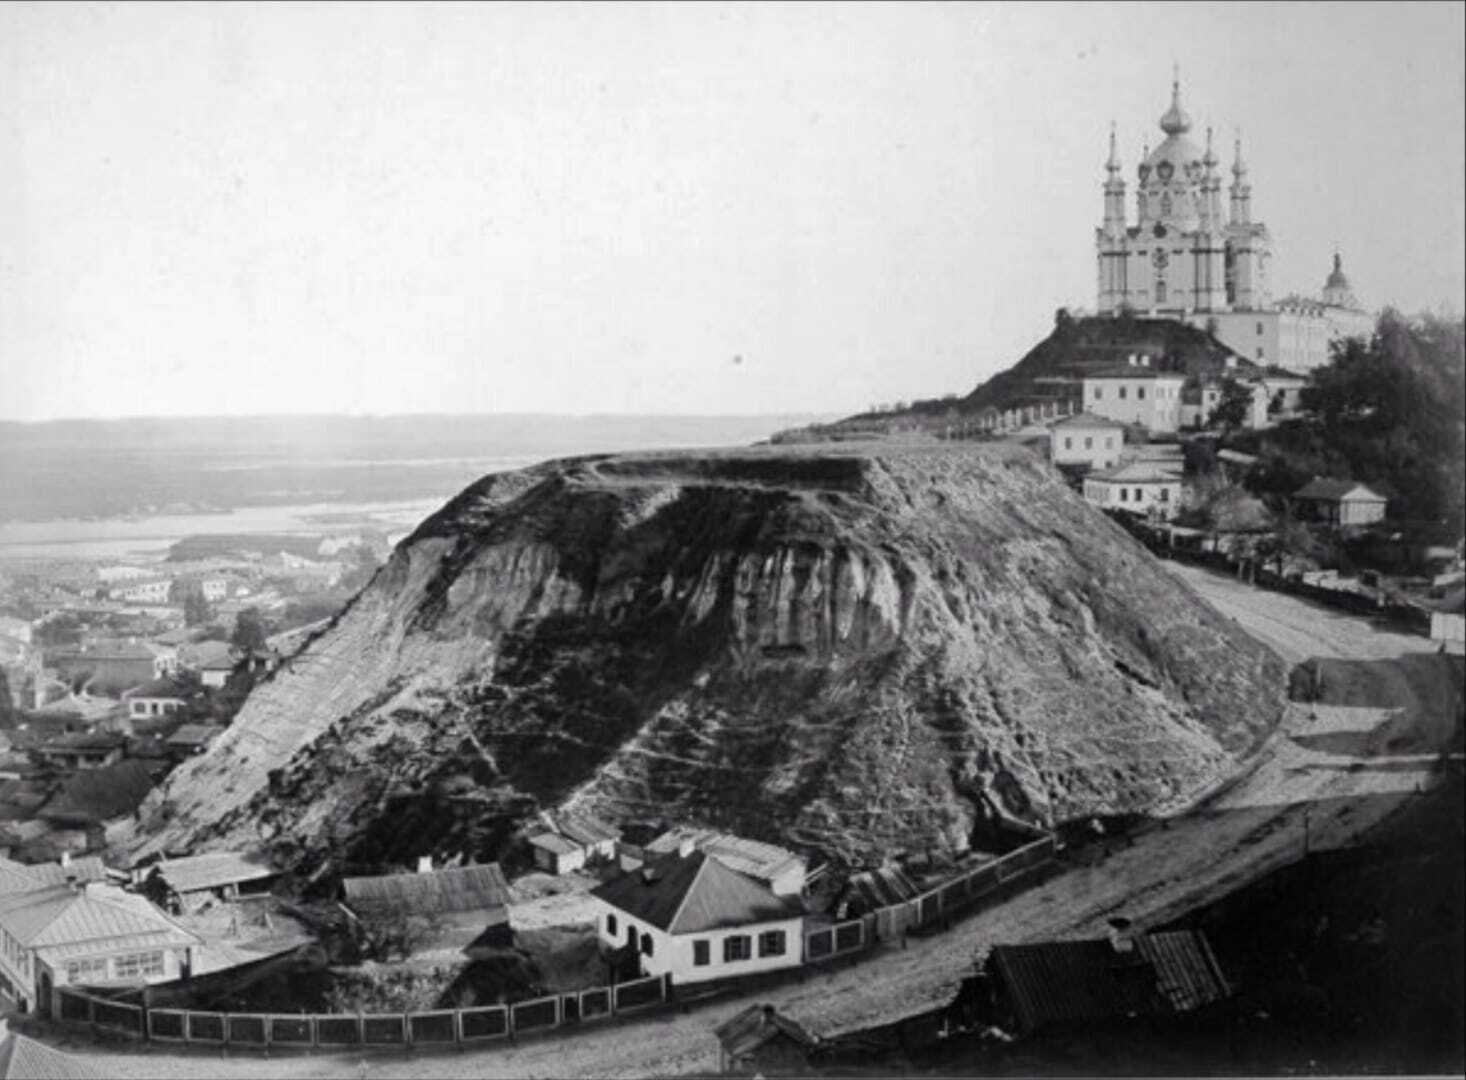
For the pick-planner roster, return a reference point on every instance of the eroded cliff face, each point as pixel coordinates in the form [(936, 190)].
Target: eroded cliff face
[(857, 650)]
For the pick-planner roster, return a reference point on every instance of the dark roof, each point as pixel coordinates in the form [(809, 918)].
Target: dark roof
[(86, 740), (1323, 488), (693, 893), (756, 1025), (97, 795), (193, 735), (1076, 981), (1064, 982), (457, 888)]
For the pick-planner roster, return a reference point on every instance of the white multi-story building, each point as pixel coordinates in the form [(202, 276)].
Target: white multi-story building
[(1140, 488), (1184, 258), (1135, 394), (1086, 439)]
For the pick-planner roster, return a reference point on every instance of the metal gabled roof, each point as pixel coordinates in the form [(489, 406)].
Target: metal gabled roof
[(691, 894)]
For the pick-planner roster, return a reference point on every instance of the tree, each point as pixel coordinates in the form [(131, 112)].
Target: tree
[(395, 930), (250, 630), (1231, 411)]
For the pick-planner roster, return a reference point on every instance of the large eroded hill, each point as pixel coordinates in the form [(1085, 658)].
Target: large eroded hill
[(859, 650)]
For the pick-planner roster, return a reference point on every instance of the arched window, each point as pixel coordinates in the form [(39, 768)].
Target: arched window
[(1160, 292), (1166, 205)]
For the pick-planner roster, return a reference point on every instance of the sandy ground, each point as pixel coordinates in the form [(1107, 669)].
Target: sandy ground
[(1327, 775)]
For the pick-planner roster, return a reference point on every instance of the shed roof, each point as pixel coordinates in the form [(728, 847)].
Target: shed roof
[(456, 888), (19, 878), (554, 842), (213, 870), (584, 829), (1187, 973), (693, 893), (193, 735), (752, 857), (1338, 491), (756, 1025)]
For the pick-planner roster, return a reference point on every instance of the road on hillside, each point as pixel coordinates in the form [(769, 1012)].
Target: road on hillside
[(1326, 776)]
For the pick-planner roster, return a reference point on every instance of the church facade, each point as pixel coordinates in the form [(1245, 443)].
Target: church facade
[(1188, 258)]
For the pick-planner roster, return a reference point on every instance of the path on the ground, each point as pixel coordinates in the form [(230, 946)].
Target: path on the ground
[(1325, 777)]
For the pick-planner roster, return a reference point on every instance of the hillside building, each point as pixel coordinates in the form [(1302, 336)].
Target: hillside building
[(688, 915), (1341, 503), (1141, 488), (1188, 259), (1136, 394), (1086, 439)]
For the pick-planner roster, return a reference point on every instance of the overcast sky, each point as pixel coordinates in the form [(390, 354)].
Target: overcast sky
[(303, 208)]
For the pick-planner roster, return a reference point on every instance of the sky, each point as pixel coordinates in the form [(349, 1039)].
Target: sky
[(224, 209)]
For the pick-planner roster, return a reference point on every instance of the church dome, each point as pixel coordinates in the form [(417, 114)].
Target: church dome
[(1177, 158), (1336, 289)]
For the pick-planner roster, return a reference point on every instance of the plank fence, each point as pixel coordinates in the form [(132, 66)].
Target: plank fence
[(437, 1027), (957, 894), (487, 1023)]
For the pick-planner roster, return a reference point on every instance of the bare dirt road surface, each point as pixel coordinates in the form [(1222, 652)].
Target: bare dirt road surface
[(1331, 772)]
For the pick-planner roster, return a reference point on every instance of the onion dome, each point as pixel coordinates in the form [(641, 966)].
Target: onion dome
[(1176, 121), (1112, 165), (1209, 159), (1336, 289), (1239, 167)]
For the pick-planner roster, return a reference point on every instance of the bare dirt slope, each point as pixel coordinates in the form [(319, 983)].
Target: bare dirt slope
[(857, 650), (1343, 787)]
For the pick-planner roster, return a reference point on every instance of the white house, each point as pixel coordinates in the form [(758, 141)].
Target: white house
[(777, 869), (1340, 502), (161, 697), (1140, 488), (1135, 393), (82, 933), (144, 592), (569, 841), (690, 916), (1086, 439)]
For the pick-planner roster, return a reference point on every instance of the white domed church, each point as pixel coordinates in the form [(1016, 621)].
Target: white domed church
[(1185, 258)]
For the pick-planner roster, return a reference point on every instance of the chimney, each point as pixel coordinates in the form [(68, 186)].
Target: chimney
[(1121, 937), (424, 864), (66, 858)]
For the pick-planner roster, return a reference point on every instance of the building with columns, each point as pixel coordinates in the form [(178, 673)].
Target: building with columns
[(1187, 259)]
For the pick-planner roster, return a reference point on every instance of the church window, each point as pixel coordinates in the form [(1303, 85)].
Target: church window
[(1160, 292), (1259, 329), (1259, 352), (1166, 205)]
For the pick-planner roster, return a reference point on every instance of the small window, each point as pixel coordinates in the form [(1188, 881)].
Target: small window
[(1124, 495), (646, 944), (1165, 495), (702, 953), (1138, 495), (1160, 292), (1123, 391), (1089, 442), (1259, 329), (771, 943), (737, 947), (1098, 393), (1109, 442), (1260, 352), (610, 926), (1140, 392), (1068, 443)]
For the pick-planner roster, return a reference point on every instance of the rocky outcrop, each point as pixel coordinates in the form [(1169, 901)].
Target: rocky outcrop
[(856, 650)]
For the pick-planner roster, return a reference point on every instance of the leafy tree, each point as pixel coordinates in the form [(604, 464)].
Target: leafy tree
[(250, 630), (1231, 411), (395, 930), (196, 611)]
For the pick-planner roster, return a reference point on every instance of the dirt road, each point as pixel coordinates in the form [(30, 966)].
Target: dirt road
[(1331, 772)]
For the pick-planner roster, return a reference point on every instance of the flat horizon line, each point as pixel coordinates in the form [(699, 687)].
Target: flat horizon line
[(526, 415)]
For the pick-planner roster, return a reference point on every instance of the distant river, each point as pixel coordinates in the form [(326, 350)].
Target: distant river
[(150, 537)]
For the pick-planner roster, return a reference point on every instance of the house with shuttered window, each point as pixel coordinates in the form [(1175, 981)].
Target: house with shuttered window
[(688, 915)]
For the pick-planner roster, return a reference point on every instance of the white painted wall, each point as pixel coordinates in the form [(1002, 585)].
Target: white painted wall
[(675, 953)]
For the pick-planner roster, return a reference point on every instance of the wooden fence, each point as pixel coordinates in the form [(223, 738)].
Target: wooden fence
[(467, 1027), (941, 901), (438, 1027)]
